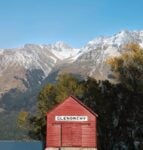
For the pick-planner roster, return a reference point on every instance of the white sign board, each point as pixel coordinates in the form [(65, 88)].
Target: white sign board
[(71, 118)]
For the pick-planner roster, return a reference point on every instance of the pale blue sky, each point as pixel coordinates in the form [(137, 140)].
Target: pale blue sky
[(73, 21)]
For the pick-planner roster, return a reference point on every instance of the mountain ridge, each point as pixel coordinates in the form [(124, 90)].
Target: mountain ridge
[(18, 66)]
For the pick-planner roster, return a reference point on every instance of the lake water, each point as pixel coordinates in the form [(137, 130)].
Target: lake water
[(20, 145)]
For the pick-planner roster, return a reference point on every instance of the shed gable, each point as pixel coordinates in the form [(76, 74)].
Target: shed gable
[(72, 104)]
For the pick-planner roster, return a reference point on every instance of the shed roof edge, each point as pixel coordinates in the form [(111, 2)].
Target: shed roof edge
[(77, 100)]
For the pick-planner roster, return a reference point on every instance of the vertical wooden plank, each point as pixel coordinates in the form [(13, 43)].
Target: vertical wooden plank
[(66, 135), (76, 135), (88, 136), (54, 135)]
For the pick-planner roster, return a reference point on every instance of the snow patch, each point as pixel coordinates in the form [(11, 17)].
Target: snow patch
[(53, 58), (111, 51), (66, 53)]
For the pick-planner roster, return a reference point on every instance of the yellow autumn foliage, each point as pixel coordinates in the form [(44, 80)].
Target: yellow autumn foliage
[(129, 66)]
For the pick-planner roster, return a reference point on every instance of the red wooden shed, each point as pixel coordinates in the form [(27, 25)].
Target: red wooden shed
[(71, 125)]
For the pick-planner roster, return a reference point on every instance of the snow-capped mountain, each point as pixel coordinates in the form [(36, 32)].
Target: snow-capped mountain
[(17, 64), (91, 61), (29, 65), (32, 56), (117, 40)]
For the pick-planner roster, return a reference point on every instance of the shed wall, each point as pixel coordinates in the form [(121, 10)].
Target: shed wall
[(69, 133)]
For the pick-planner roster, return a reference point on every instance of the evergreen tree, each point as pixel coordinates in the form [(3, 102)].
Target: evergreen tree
[(129, 67)]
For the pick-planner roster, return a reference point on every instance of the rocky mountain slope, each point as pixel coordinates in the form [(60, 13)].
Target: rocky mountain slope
[(25, 69), (16, 65), (91, 59)]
